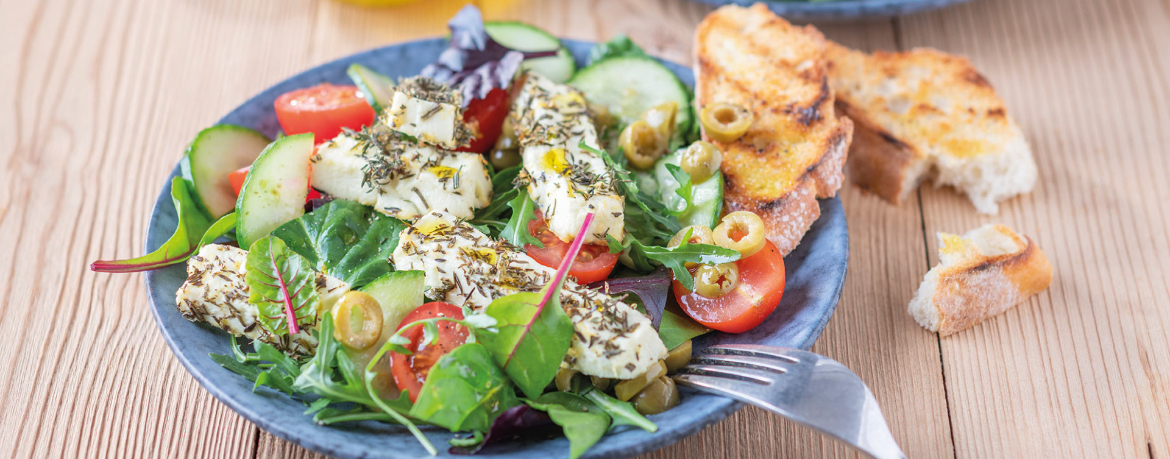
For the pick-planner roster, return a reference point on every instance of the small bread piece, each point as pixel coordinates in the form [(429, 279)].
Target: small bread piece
[(924, 112), (980, 274), (794, 150)]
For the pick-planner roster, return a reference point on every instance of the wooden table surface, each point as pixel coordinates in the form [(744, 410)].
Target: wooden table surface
[(101, 96)]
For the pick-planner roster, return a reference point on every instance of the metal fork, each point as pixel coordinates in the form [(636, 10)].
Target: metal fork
[(810, 389)]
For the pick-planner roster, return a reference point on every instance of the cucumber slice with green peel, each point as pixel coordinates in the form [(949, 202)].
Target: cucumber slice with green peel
[(274, 191), (706, 197), (524, 37), (397, 293), (378, 88), (628, 86), (216, 152)]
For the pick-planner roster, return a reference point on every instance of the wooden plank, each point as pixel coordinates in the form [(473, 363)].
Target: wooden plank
[(1081, 369), (104, 95)]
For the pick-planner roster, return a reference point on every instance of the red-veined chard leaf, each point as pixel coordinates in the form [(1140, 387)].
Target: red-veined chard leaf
[(474, 63), (282, 284), (532, 332), (182, 244)]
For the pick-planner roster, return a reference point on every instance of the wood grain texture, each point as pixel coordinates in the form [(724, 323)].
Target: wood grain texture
[(100, 96)]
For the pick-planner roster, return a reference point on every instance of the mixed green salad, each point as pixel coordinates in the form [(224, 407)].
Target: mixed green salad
[(504, 245)]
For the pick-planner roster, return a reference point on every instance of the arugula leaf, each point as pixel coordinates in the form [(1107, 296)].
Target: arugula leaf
[(675, 258), (316, 376), (618, 46), (646, 218), (193, 222), (503, 180), (249, 372), (685, 188), (530, 356), (220, 228), (583, 422), (516, 231), (344, 239), (465, 390), (276, 380), (281, 284), (623, 413)]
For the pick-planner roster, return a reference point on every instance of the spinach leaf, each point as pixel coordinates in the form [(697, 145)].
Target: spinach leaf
[(344, 239), (618, 46), (677, 327), (529, 349), (623, 413), (675, 258), (465, 390), (516, 231), (282, 285), (583, 422), (220, 228), (685, 188), (182, 244)]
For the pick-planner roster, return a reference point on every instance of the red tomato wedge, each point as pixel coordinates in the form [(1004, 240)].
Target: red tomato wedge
[(761, 286), (486, 118), (324, 110), (593, 262), (410, 371)]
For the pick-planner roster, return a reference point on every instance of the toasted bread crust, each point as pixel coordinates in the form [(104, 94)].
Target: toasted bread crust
[(795, 149), (977, 287), (925, 112)]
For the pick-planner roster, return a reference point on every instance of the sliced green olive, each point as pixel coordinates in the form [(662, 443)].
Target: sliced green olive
[(699, 235), (661, 118), (564, 379), (641, 144), (627, 389), (660, 395), (741, 231), (701, 161), (716, 281), (503, 159), (678, 357), (357, 319), (508, 139), (725, 122)]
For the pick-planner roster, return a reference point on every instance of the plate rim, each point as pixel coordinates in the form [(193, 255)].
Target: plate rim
[(721, 407)]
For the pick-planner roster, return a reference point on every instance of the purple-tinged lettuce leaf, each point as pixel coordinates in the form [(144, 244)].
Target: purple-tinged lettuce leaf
[(519, 420), (652, 289), (474, 63)]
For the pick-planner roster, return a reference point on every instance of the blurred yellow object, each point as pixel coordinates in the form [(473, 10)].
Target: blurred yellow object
[(376, 3)]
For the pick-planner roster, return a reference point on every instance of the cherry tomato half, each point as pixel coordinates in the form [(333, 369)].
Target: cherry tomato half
[(323, 110), (761, 285), (593, 263), (410, 371), (486, 118)]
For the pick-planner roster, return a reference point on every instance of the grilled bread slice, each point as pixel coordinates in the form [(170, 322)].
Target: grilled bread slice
[(980, 274), (927, 113), (795, 148)]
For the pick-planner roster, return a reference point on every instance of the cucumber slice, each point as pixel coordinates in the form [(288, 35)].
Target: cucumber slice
[(216, 152), (629, 85), (397, 293), (274, 191), (706, 197), (378, 88), (523, 37)]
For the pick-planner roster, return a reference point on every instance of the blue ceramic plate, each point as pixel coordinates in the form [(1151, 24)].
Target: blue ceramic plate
[(816, 271), (803, 10)]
